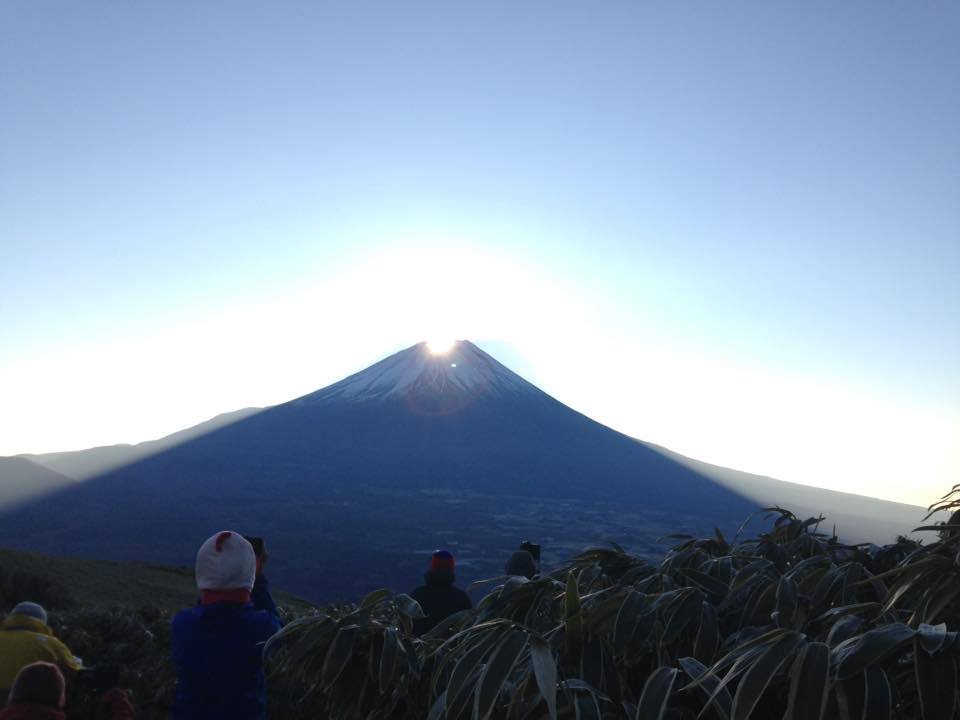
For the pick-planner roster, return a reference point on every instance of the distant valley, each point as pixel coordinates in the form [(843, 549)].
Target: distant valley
[(355, 484)]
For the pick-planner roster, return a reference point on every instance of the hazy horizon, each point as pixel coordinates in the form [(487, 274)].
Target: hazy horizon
[(732, 232)]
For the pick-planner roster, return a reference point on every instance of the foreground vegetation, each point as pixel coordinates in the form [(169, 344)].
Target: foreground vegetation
[(791, 623), (788, 623)]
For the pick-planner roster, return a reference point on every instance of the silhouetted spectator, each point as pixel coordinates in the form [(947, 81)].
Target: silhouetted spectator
[(38, 692), (521, 563), (438, 596), (26, 638), (218, 644)]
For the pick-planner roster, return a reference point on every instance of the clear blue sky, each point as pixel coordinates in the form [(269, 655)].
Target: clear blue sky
[(733, 229)]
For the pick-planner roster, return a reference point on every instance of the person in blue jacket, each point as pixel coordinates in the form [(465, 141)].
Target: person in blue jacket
[(217, 645)]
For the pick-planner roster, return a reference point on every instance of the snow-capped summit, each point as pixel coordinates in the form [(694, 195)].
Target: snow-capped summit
[(463, 370), (421, 450)]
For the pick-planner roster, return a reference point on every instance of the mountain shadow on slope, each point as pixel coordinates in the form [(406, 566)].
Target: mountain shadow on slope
[(349, 488)]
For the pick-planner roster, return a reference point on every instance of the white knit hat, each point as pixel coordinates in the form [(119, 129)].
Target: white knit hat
[(226, 561)]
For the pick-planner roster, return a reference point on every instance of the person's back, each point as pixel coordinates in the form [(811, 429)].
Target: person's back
[(38, 692), (521, 564), (438, 596), (26, 638), (217, 646), (218, 650)]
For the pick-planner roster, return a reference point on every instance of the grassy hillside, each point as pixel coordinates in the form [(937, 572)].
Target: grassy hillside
[(67, 582)]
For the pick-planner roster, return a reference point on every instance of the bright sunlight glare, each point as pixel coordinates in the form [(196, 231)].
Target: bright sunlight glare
[(440, 347)]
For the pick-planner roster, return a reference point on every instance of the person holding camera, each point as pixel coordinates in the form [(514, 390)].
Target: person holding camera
[(525, 562), (521, 564), (217, 646)]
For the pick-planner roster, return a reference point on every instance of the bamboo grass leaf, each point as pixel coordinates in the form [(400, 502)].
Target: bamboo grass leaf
[(706, 681), (682, 612), (388, 658), (656, 694), (877, 697), (296, 629), (856, 609), (406, 605), (439, 707), (786, 602), (545, 672), (809, 683), (496, 672), (761, 672), (936, 528), (471, 661), (936, 679), (707, 583), (947, 592), (625, 624), (931, 637), (338, 655), (708, 634), (587, 707), (572, 619), (375, 598), (844, 629), (852, 656)]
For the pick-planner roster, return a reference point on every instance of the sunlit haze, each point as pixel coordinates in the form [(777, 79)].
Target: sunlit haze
[(729, 230), (440, 347)]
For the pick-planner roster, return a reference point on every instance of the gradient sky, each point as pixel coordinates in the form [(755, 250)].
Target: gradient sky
[(730, 229)]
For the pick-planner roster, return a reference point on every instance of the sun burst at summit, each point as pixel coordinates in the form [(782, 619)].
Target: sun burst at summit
[(440, 347)]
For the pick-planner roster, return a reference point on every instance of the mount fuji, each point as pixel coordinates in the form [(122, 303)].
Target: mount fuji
[(355, 484)]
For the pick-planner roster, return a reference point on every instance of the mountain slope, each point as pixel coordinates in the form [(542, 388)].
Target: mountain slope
[(354, 485), (22, 480), (858, 518), (83, 464)]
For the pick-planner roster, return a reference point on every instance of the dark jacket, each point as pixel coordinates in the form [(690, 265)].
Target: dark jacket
[(521, 563), (218, 652), (439, 599)]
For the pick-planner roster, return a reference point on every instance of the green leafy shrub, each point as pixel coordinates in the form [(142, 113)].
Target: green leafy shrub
[(134, 643), (790, 623)]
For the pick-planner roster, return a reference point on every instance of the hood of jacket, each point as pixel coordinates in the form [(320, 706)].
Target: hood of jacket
[(24, 622)]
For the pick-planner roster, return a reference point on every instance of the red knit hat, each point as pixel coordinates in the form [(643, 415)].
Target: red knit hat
[(39, 683), (442, 560)]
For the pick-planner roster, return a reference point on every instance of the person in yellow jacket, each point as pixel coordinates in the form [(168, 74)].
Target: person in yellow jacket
[(25, 638)]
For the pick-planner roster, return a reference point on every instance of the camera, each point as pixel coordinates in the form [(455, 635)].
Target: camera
[(257, 543)]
